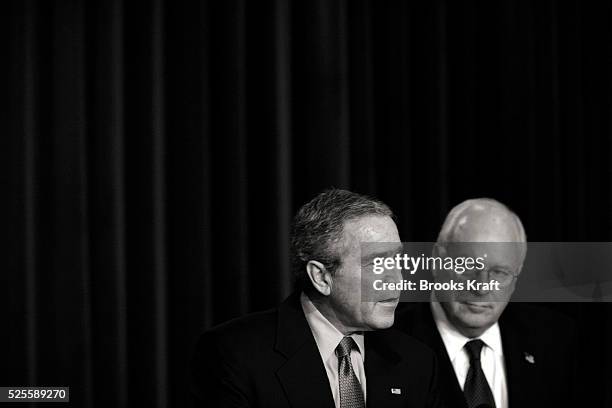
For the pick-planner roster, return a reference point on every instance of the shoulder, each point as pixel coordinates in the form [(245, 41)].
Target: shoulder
[(250, 330), (399, 340), (409, 311), (413, 318), (251, 323), (538, 319), (404, 345), (538, 328)]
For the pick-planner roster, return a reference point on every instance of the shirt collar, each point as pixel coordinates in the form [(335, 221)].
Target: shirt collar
[(454, 341), (326, 335)]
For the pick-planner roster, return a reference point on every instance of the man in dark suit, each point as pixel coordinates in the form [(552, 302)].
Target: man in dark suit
[(324, 346), (523, 358)]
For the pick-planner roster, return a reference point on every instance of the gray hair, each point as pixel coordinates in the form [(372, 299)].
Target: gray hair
[(320, 223)]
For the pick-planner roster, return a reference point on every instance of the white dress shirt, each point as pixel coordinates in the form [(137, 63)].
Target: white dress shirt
[(327, 338), (491, 356)]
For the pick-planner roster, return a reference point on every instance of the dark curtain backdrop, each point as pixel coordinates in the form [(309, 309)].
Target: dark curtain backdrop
[(153, 153)]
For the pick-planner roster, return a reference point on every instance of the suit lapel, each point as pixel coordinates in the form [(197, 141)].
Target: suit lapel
[(303, 375), (383, 373), (425, 330), (521, 371), (304, 379)]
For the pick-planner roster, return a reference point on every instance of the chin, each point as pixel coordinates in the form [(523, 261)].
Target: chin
[(470, 320), (382, 322), (476, 322)]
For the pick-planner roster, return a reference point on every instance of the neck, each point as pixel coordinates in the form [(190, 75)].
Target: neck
[(323, 306)]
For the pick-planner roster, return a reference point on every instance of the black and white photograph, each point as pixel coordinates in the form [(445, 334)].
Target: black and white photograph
[(299, 204)]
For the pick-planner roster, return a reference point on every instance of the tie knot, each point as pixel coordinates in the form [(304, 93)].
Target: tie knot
[(473, 348), (345, 346)]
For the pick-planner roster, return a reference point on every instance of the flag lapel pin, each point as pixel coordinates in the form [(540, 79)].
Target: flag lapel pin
[(396, 391), (529, 358)]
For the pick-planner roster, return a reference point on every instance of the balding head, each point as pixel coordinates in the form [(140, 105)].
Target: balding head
[(481, 220)]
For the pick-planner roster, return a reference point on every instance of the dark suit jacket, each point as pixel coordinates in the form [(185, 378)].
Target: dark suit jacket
[(526, 331), (271, 359)]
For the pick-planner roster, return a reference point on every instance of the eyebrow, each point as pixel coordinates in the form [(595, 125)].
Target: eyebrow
[(501, 266)]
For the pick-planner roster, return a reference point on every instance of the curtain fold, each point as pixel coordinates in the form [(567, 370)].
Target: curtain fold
[(29, 201), (107, 152), (153, 154)]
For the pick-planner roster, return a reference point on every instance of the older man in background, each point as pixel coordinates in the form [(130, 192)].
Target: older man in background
[(491, 354)]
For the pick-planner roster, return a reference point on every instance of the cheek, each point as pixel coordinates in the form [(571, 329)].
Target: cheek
[(347, 299), (363, 312), (349, 289), (498, 309), (458, 309), (349, 279), (366, 309)]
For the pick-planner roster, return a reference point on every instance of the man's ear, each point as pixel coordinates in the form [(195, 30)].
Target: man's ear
[(320, 277)]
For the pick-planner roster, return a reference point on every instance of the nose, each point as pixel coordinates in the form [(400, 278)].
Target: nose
[(483, 276)]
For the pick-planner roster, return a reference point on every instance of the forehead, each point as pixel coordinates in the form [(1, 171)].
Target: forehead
[(371, 228), (494, 253)]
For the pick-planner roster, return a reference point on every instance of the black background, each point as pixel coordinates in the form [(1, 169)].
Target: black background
[(152, 155)]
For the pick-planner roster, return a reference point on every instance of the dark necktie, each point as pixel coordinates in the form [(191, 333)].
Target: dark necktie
[(351, 395), (476, 390)]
